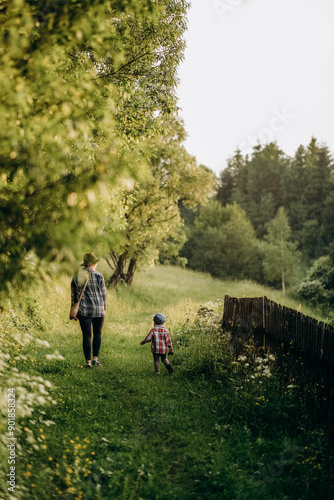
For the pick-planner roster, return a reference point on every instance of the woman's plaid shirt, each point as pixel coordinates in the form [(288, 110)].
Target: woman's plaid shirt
[(160, 338), (93, 302)]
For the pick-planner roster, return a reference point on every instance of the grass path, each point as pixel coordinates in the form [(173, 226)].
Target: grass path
[(121, 432)]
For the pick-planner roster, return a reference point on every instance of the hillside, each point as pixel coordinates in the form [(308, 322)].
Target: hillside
[(210, 431)]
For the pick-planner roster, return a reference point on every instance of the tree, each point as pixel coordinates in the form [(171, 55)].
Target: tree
[(308, 194), (222, 242), (68, 74), (150, 210), (230, 179), (255, 184), (281, 257), (318, 285)]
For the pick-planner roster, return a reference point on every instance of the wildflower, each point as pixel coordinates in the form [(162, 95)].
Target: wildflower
[(56, 356), (71, 489), (43, 342), (242, 358), (271, 357)]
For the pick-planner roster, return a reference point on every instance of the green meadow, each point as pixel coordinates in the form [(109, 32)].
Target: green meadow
[(217, 428)]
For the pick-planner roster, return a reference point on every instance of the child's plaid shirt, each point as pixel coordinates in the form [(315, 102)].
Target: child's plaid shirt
[(160, 338)]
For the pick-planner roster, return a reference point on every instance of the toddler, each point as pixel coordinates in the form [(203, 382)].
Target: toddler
[(161, 343)]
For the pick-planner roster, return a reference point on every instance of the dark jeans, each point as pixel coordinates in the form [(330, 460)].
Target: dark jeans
[(156, 358), (86, 324)]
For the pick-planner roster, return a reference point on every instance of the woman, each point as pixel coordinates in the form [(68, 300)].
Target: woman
[(92, 306)]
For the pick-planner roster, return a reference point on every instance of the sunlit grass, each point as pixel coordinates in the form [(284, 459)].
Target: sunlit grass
[(121, 432)]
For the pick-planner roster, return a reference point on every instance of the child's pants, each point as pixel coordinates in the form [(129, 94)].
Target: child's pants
[(156, 358)]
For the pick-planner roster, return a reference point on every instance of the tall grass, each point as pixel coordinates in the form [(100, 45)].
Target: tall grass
[(217, 428)]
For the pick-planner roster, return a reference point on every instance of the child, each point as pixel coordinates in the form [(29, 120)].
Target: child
[(161, 343)]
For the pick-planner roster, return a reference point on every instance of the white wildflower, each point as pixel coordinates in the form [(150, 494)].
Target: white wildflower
[(56, 356), (242, 358), (43, 342), (40, 400)]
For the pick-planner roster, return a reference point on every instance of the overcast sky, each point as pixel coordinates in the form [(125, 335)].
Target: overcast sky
[(257, 70)]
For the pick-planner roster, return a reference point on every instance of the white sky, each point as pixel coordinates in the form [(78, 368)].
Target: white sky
[(257, 69)]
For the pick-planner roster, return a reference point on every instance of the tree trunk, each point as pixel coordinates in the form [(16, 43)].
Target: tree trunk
[(131, 271), (118, 274)]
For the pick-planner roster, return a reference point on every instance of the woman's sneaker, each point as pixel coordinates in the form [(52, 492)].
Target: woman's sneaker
[(96, 363)]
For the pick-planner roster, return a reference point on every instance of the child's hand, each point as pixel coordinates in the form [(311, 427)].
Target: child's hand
[(141, 343)]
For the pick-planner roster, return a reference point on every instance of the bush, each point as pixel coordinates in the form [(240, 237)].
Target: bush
[(318, 286)]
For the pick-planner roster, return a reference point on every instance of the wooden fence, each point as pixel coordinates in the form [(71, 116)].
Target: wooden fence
[(304, 346)]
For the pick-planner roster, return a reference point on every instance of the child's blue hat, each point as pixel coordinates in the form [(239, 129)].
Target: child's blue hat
[(159, 319)]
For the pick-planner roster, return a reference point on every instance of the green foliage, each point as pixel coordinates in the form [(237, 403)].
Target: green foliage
[(150, 209), (255, 184), (318, 285), (281, 258), (81, 82), (302, 184), (222, 242)]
